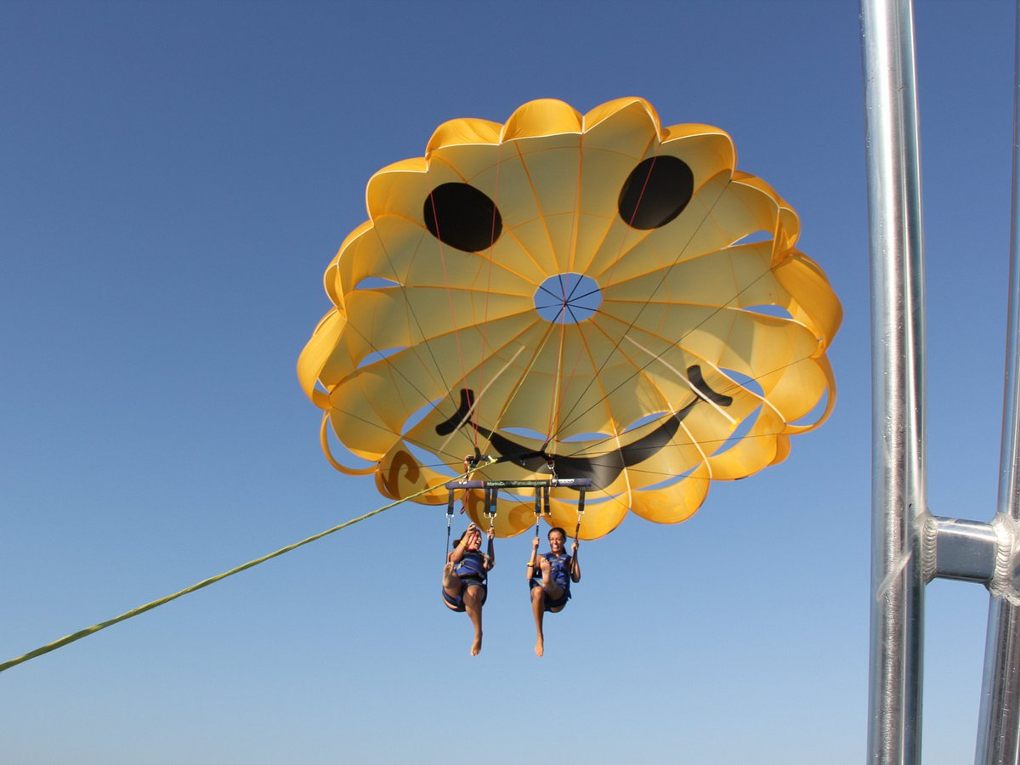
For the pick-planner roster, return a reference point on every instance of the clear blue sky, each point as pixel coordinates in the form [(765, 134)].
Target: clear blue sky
[(174, 178)]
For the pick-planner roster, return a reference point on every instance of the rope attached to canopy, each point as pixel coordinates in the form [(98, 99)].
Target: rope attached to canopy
[(75, 636)]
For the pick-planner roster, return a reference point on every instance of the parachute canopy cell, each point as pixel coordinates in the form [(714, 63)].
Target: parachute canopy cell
[(596, 293)]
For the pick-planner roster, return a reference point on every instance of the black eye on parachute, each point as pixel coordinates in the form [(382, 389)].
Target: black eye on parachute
[(462, 216), (655, 192)]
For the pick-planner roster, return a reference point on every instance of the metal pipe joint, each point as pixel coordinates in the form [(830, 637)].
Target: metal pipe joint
[(974, 551)]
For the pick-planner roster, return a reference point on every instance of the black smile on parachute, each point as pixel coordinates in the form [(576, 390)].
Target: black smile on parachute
[(604, 469), (572, 274)]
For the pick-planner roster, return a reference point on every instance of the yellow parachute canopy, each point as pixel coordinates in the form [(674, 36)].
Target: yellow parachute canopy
[(593, 291)]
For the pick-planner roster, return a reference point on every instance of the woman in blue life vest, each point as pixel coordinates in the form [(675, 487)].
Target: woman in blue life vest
[(549, 576), (465, 578)]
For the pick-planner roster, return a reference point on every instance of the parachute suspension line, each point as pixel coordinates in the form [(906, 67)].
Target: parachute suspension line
[(551, 433), (474, 403), (554, 404), (659, 357), (417, 323), (352, 415), (733, 387), (656, 356), (648, 300), (515, 391), (396, 369), (75, 636)]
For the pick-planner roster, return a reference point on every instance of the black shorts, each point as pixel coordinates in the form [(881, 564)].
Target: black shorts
[(457, 603), (550, 604)]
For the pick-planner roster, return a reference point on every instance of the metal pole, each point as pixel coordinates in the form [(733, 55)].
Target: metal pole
[(898, 434), (999, 721)]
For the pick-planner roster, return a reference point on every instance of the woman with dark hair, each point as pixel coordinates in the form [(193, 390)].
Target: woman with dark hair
[(549, 576), (465, 579)]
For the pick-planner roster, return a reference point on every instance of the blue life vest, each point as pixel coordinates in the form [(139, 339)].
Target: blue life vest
[(559, 570), (471, 566)]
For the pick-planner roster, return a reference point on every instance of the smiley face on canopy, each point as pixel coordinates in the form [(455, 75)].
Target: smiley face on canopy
[(594, 294)]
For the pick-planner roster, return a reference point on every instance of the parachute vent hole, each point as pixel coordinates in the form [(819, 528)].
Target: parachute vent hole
[(376, 283), (377, 356), (568, 298), (776, 311), (655, 192), (463, 217)]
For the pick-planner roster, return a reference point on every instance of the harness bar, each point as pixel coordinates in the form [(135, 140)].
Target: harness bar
[(566, 483)]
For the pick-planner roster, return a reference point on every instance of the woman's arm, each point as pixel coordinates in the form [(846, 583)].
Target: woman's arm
[(575, 566), (529, 573), (458, 551)]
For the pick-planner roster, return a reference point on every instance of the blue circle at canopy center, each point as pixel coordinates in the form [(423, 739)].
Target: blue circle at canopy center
[(568, 298)]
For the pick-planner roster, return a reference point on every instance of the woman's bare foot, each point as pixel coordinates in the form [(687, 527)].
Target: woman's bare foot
[(540, 646), (447, 574), (543, 564), (476, 647)]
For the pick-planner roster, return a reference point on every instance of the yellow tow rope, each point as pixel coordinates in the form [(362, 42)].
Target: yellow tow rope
[(67, 639)]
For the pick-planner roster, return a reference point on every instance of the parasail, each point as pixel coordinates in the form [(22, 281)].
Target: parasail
[(581, 296)]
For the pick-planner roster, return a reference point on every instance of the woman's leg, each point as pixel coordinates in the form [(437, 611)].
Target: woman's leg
[(553, 591), (538, 610), (549, 590), (473, 597), (451, 582)]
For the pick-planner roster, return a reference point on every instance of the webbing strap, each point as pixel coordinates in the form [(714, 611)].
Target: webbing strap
[(580, 515), (491, 497), (67, 639), (543, 504), (449, 523)]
